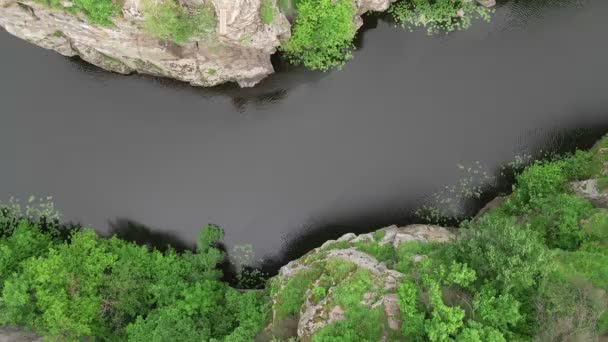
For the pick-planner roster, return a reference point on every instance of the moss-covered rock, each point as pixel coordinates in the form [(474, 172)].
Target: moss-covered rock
[(348, 282)]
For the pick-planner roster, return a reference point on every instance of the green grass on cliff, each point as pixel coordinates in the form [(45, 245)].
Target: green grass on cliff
[(98, 12)]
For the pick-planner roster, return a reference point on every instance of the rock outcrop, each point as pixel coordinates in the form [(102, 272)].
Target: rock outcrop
[(318, 268), (239, 51), (593, 191)]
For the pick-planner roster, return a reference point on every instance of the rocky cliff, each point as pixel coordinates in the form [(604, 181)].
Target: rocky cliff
[(239, 51)]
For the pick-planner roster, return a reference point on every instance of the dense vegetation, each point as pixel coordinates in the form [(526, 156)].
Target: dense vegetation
[(71, 285), (322, 35)]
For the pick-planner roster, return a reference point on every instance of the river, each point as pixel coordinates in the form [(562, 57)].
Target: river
[(304, 156)]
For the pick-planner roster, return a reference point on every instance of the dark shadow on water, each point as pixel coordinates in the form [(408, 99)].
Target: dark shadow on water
[(272, 90), (568, 141), (141, 234)]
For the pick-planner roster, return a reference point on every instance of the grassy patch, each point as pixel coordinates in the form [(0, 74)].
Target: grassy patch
[(98, 12), (168, 20)]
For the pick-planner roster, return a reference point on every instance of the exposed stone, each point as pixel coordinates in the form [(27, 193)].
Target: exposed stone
[(590, 190), (416, 232), (347, 237), (487, 3), (495, 203), (15, 334)]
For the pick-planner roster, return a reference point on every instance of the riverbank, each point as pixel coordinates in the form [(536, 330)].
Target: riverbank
[(206, 43), (531, 266)]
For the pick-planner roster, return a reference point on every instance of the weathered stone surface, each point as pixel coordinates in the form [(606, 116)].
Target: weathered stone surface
[(14, 334), (495, 203), (416, 232), (591, 191), (487, 3)]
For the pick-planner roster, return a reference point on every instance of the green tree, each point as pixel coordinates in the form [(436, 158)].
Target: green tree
[(322, 34)]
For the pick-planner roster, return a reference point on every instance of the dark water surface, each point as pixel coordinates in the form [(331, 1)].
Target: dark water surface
[(305, 156)]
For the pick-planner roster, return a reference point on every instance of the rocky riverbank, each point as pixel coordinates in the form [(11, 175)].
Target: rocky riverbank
[(239, 50)]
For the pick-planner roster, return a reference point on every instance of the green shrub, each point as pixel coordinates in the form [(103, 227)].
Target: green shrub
[(322, 34), (166, 19), (558, 219), (267, 12), (503, 253), (437, 15), (115, 290)]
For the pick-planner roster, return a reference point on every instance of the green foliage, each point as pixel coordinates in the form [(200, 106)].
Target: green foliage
[(98, 12), (25, 242), (437, 15), (538, 182), (166, 19), (63, 288), (291, 297), (503, 253), (385, 253), (267, 12), (361, 323), (115, 290), (412, 320), (322, 34), (558, 218), (500, 311)]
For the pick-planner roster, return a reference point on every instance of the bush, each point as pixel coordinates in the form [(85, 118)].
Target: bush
[(112, 289), (322, 34), (509, 256)]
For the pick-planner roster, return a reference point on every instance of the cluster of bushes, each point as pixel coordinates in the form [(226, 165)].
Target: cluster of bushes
[(69, 286), (323, 31)]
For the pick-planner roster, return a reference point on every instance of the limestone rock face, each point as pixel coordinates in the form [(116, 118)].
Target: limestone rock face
[(240, 52), (318, 268)]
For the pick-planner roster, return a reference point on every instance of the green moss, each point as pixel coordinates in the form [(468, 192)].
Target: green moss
[(267, 12), (379, 234)]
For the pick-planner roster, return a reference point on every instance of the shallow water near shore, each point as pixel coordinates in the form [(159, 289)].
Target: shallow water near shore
[(304, 156)]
